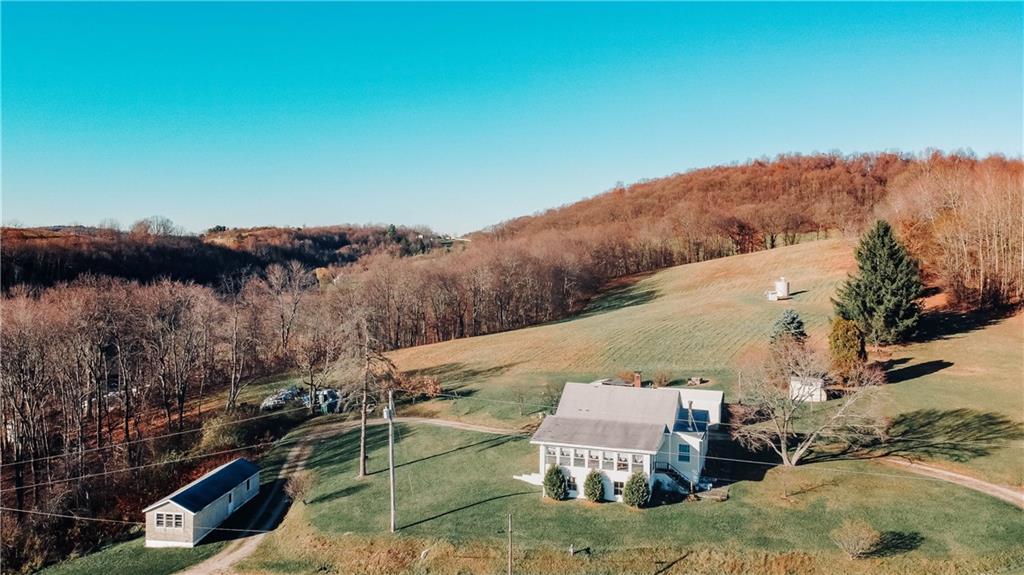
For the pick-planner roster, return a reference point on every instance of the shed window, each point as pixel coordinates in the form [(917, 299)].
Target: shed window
[(247, 484), (169, 520), (230, 497), (684, 453), (177, 520), (159, 519)]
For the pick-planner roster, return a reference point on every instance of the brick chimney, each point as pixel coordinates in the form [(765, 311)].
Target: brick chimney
[(637, 381)]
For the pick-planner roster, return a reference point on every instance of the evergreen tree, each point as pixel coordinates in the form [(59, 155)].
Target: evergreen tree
[(789, 325), (593, 486), (882, 298), (555, 485), (846, 344), (637, 492)]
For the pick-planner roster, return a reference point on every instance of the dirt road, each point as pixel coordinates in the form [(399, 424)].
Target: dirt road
[(1004, 492)]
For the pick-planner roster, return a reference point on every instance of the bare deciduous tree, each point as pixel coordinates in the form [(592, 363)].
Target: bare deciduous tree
[(771, 417)]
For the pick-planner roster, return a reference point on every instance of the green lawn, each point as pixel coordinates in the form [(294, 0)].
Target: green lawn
[(132, 557), (457, 486)]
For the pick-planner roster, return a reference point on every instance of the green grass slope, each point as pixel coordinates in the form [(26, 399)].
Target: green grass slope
[(693, 320)]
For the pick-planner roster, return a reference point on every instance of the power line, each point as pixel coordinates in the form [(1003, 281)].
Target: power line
[(153, 438), (121, 521), (154, 464)]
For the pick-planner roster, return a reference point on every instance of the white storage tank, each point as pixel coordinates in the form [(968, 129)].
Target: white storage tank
[(782, 288)]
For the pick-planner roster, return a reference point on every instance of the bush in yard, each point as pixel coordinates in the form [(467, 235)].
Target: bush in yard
[(593, 486), (661, 379), (555, 485), (846, 344), (298, 485), (637, 492), (856, 538)]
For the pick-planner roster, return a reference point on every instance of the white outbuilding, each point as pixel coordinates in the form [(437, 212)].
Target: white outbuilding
[(810, 389), (185, 517)]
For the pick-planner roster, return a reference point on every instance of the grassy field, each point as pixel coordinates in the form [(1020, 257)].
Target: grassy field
[(694, 320), (455, 490), (959, 394)]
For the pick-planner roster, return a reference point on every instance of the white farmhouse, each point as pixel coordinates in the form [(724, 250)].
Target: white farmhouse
[(619, 430), (186, 516)]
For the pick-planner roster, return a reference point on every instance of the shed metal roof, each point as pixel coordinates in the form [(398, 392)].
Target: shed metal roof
[(599, 433), (210, 487)]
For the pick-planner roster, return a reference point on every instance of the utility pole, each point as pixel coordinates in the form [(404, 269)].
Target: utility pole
[(389, 414), (509, 544)]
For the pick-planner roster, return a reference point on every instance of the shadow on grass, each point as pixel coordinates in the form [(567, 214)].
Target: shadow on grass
[(944, 323), (619, 297), (345, 492), (895, 374), (953, 435), (465, 507), (488, 443), (458, 372), (897, 542)]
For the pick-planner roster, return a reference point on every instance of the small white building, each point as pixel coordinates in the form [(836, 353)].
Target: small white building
[(185, 517), (810, 389), (618, 430)]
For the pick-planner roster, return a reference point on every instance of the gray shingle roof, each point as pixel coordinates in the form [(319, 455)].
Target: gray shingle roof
[(600, 433), (616, 403), (616, 417), (210, 487)]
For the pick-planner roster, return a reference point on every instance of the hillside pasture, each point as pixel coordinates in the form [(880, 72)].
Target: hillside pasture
[(699, 320)]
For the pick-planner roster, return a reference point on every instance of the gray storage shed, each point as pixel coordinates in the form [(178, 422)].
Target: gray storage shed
[(184, 517)]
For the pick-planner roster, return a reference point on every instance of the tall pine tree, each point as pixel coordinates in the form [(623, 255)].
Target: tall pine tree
[(882, 298)]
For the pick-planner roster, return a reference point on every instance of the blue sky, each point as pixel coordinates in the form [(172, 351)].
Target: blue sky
[(461, 115)]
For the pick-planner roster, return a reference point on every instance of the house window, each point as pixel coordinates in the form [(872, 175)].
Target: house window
[(684, 453), (594, 459), (578, 455), (622, 463), (571, 482), (564, 456), (617, 487), (550, 456), (608, 462), (638, 463)]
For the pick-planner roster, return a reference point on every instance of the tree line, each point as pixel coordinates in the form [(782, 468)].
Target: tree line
[(155, 248)]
